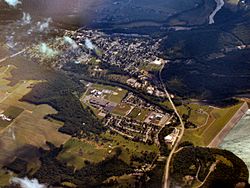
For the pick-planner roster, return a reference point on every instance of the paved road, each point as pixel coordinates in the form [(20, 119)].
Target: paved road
[(212, 168), (13, 55), (167, 167)]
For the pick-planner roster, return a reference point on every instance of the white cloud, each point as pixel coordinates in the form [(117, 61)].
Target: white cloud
[(27, 183), (13, 3), (70, 41)]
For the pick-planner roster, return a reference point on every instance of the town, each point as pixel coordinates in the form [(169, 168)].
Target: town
[(126, 114), (133, 55)]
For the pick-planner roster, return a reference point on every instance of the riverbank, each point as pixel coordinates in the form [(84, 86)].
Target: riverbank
[(229, 126)]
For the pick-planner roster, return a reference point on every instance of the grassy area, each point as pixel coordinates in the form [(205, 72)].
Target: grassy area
[(198, 113), (121, 109), (224, 160), (4, 178), (234, 2), (198, 119), (143, 115), (13, 112), (117, 93), (139, 114), (75, 152), (151, 67), (134, 113), (128, 147), (204, 135)]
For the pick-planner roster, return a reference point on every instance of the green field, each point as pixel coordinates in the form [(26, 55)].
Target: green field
[(75, 152), (117, 95), (196, 116), (134, 113), (121, 109), (128, 147), (138, 114), (204, 135), (13, 112), (150, 67)]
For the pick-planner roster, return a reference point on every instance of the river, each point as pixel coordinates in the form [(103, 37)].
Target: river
[(220, 4), (238, 139)]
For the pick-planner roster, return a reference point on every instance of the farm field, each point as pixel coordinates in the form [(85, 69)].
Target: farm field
[(11, 112), (28, 129)]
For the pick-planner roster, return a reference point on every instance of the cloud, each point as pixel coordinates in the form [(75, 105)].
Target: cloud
[(27, 183), (45, 25), (44, 49), (89, 44), (13, 3), (70, 41), (26, 19)]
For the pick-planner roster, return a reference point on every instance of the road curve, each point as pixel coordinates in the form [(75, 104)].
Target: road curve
[(166, 183)]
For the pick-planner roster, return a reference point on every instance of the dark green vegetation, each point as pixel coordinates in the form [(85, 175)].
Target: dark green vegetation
[(197, 43), (210, 63), (212, 167), (164, 148)]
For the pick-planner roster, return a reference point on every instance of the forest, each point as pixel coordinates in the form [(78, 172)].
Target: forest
[(196, 162)]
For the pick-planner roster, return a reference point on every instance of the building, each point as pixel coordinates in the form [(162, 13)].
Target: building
[(171, 138), (5, 118), (102, 103)]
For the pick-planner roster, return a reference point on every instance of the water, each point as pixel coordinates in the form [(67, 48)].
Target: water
[(238, 140), (220, 4)]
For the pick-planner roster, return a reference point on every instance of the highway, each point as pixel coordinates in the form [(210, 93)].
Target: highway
[(166, 183)]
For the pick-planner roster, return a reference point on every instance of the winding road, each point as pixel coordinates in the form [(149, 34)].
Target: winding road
[(167, 167)]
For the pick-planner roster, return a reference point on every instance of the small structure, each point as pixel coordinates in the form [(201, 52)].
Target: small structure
[(131, 81), (171, 138), (5, 118)]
